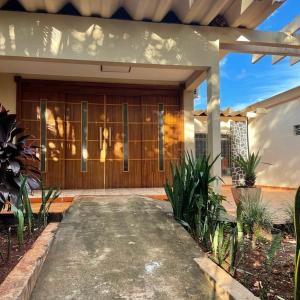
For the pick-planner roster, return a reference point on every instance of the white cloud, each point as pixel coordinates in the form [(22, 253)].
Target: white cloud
[(241, 105), (242, 74), (277, 79), (223, 62), (274, 80)]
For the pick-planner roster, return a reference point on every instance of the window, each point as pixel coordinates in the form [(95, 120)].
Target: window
[(84, 135), (161, 136), (43, 112), (125, 141), (201, 150), (297, 129), (201, 144), (226, 154)]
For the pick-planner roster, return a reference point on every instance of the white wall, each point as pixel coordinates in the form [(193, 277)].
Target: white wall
[(273, 134), (201, 126), (95, 40), (8, 92)]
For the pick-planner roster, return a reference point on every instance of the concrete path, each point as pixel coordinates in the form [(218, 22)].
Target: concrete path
[(121, 247)]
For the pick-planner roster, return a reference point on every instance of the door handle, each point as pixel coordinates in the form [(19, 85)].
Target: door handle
[(101, 137), (109, 136)]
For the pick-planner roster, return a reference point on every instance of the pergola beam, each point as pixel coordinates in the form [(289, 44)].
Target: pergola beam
[(294, 60), (290, 28), (244, 48), (238, 37)]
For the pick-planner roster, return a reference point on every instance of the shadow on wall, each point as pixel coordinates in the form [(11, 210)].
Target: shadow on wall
[(35, 35), (64, 135), (273, 135)]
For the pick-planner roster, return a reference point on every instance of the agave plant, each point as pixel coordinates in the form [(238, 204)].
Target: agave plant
[(248, 166), (16, 157)]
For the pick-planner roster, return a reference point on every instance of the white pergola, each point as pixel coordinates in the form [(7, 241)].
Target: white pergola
[(291, 28), (185, 53)]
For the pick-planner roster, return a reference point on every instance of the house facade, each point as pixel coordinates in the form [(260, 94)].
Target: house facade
[(271, 127), (106, 88), (274, 131)]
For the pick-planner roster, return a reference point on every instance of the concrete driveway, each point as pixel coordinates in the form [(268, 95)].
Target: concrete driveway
[(121, 247)]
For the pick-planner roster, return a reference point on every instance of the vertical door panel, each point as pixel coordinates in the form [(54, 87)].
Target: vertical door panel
[(76, 176), (160, 113), (120, 173), (54, 139)]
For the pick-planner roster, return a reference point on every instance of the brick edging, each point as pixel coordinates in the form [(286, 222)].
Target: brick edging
[(21, 280), (225, 286)]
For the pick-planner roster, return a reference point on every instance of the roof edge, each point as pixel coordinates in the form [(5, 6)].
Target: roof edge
[(282, 97)]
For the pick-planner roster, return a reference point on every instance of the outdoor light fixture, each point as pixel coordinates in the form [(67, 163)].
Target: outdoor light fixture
[(115, 69)]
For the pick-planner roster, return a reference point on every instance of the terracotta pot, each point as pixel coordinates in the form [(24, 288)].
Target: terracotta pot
[(240, 192)]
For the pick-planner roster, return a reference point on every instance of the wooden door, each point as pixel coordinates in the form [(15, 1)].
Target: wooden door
[(97, 135), (162, 138), (84, 167), (54, 142), (123, 158)]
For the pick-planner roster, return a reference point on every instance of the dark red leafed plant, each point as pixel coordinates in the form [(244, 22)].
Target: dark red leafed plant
[(16, 160)]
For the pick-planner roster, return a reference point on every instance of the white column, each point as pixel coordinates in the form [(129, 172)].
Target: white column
[(188, 119), (213, 120)]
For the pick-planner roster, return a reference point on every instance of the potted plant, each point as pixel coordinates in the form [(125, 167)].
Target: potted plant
[(248, 166)]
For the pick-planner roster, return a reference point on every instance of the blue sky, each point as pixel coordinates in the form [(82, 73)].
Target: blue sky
[(243, 83)]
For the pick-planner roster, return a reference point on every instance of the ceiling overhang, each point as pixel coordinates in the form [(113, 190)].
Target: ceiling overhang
[(232, 13), (94, 72)]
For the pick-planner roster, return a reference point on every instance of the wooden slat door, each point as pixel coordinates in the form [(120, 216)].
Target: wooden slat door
[(116, 173), (54, 174), (153, 175), (75, 176), (152, 126)]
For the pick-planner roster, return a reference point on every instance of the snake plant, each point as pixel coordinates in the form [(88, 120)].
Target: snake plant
[(194, 204)]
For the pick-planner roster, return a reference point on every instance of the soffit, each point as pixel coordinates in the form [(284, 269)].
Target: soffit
[(233, 13)]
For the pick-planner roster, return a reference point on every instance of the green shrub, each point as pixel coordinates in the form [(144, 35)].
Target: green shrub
[(194, 204), (255, 213)]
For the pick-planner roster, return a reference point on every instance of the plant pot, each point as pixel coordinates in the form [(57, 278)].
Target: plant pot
[(239, 193)]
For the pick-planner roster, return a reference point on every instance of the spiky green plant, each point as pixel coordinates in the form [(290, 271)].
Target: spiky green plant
[(194, 203), (275, 244), (18, 213), (239, 222), (248, 166), (47, 199), (254, 213), (181, 193), (9, 244), (25, 203), (297, 254), (226, 246)]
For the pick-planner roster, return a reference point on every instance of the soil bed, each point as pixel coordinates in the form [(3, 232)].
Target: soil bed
[(16, 252), (279, 279)]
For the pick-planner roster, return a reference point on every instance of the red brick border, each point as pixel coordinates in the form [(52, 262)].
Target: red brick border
[(21, 280)]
